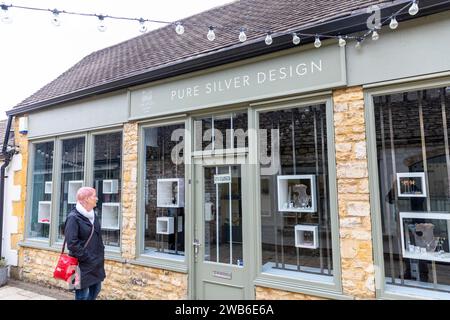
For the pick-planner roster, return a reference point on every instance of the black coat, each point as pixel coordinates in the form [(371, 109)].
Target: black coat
[(91, 260)]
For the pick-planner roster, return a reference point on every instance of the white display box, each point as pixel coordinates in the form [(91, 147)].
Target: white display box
[(297, 193), (74, 185), (208, 211), (430, 235), (110, 215), (306, 236), (180, 224), (170, 193), (48, 187), (164, 225), (44, 211), (411, 184), (110, 186)]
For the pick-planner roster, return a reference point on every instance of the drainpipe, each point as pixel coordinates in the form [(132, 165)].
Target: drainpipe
[(6, 155)]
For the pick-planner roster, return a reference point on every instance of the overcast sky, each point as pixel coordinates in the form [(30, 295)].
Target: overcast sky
[(33, 52)]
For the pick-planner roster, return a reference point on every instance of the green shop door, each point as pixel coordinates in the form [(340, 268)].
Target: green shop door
[(220, 246)]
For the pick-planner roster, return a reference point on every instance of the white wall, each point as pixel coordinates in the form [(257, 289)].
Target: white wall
[(10, 222)]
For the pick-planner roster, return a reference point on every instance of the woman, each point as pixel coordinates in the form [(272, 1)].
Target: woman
[(84, 241)]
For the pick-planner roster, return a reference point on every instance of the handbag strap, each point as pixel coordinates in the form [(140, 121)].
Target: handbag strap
[(85, 245)]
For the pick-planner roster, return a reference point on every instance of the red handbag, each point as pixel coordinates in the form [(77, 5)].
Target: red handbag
[(67, 265)]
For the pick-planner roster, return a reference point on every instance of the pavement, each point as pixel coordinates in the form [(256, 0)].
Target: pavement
[(20, 290)]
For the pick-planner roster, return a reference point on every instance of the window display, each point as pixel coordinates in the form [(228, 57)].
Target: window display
[(164, 225), (411, 184), (413, 174), (110, 215), (294, 195), (170, 193), (41, 190), (73, 189), (44, 213), (164, 190), (306, 236), (110, 186), (425, 235), (48, 187), (107, 181), (72, 177)]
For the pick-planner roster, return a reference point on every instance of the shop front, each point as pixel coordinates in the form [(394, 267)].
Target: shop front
[(301, 174)]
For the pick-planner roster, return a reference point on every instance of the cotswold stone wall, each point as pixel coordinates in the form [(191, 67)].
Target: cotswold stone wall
[(123, 280), (353, 194), (262, 293), (129, 199), (20, 181)]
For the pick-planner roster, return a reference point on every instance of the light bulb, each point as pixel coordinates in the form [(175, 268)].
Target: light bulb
[(55, 20), (342, 42), (242, 36), (268, 39), (5, 17), (101, 24), (414, 9), (358, 44), (317, 43), (211, 35), (142, 27), (394, 23), (179, 28), (295, 39), (375, 35)]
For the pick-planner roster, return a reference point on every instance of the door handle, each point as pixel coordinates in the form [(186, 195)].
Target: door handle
[(196, 245)]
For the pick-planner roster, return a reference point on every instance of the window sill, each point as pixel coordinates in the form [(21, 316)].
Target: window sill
[(162, 261), (398, 292), (36, 244), (304, 283), (110, 254)]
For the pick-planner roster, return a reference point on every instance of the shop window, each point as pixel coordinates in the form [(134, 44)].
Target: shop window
[(42, 180), (107, 182), (71, 179), (295, 205), (164, 191), (413, 171), (221, 132)]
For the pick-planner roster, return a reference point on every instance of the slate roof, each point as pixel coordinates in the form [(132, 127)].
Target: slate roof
[(163, 46)]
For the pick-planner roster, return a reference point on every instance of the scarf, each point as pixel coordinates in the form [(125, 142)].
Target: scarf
[(88, 214)]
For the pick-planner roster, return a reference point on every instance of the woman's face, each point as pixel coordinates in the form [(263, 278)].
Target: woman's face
[(92, 200)]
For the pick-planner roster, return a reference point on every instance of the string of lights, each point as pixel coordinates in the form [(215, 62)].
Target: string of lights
[(179, 26)]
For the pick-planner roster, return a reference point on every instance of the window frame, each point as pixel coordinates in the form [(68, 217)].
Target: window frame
[(52, 242), (152, 260), (209, 113), (89, 179), (29, 195), (303, 283), (383, 290)]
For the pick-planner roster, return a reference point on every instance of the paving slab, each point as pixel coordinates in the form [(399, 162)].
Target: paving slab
[(20, 290)]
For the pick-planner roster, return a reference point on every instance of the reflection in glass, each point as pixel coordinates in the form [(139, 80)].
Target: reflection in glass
[(413, 168), (72, 177), (164, 190), (42, 190), (221, 132), (295, 207), (108, 183), (223, 215)]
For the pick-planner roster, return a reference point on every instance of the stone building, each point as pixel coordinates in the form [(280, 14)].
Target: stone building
[(230, 169)]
